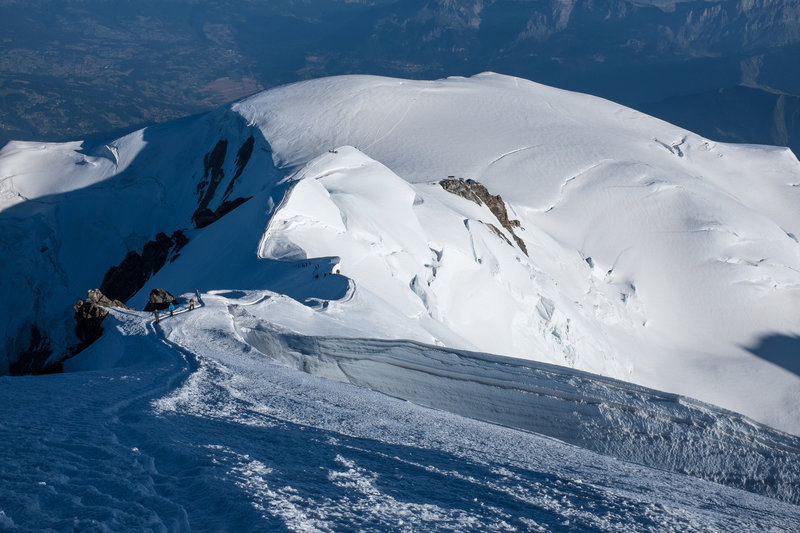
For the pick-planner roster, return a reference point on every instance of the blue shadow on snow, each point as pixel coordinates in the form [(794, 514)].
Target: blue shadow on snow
[(780, 350)]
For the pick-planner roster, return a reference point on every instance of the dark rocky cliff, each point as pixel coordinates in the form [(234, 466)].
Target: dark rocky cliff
[(89, 315), (478, 193)]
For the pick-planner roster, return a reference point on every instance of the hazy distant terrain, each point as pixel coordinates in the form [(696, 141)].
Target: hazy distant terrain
[(70, 69)]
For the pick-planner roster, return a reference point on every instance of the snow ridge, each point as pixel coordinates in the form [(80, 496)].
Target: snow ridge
[(612, 417)]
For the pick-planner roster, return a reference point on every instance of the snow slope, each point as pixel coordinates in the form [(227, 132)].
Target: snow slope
[(184, 425)]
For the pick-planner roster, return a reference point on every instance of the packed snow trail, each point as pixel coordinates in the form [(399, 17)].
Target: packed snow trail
[(65, 461), (191, 428)]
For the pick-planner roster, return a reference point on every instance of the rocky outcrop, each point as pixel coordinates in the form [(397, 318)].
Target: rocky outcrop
[(242, 157), (204, 217), (123, 281), (89, 315), (476, 192), (213, 175), (159, 299)]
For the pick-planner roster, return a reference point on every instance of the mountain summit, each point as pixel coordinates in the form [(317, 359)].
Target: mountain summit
[(487, 213)]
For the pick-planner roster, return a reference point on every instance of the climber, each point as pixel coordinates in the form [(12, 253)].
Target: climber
[(191, 304), (171, 308)]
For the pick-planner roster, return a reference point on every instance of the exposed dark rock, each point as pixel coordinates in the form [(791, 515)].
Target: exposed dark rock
[(242, 157), (499, 233), (123, 281), (204, 217), (33, 359), (159, 299), (179, 240), (476, 192), (212, 176), (89, 315)]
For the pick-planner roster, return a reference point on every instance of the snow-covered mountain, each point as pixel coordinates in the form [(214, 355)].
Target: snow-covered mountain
[(632, 249), (382, 231)]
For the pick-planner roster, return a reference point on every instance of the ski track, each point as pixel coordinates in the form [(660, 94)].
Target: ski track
[(209, 433)]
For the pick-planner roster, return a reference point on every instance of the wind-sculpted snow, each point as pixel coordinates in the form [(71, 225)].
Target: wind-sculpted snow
[(612, 417), (638, 272), (182, 426), (438, 260)]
